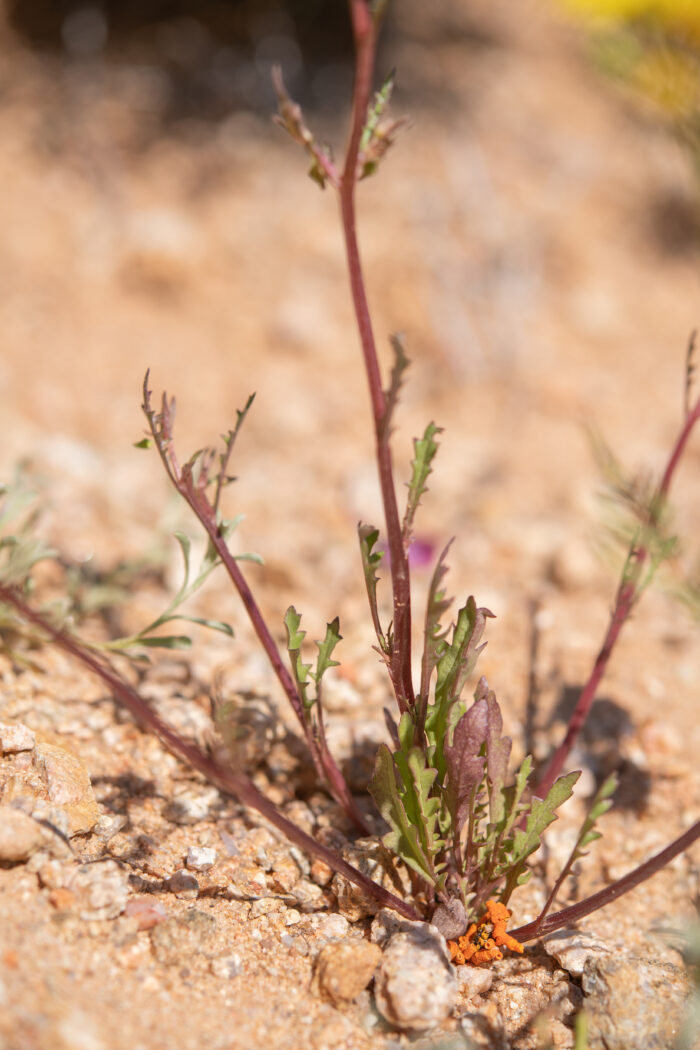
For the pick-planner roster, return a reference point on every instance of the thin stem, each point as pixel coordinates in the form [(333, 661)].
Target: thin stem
[(365, 49), (628, 882), (195, 496), (623, 605), (628, 592), (690, 420), (323, 760), (228, 780)]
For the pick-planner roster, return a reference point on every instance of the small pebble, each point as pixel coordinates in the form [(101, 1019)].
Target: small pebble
[(308, 895), (415, 988), (54, 873), (147, 912), (184, 885), (572, 949), (265, 906), (331, 927), (100, 890), (200, 858), (190, 939), (109, 825), (321, 873), (226, 967), (192, 804), (68, 785), (15, 738), (474, 980), (20, 835), (345, 968)]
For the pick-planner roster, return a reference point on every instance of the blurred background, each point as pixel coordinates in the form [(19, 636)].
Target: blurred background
[(535, 233)]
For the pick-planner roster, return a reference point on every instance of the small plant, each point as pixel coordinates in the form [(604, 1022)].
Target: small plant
[(652, 48), (457, 817), (84, 591)]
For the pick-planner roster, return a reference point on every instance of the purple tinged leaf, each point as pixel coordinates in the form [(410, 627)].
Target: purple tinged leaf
[(458, 657), (497, 752), (465, 766)]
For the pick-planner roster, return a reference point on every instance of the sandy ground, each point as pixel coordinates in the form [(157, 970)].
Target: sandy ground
[(520, 236)]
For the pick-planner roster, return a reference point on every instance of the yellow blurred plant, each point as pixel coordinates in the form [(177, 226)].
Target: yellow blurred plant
[(652, 46)]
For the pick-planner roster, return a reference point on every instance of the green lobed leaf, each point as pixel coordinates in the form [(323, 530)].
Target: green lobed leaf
[(461, 653), (434, 636), (543, 811), (425, 450), (428, 806), (509, 808), (514, 806), (376, 108), (456, 661), (403, 839), (295, 638), (325, 651), (370, 560), (601, 804)]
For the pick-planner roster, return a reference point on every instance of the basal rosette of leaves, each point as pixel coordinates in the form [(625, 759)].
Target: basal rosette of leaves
[(454, 818)]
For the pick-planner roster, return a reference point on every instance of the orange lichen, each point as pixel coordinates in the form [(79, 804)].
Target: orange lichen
[(483, 940)]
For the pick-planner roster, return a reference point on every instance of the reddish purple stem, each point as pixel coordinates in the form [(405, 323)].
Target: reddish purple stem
[(610, 893), (365, 46), (228, 780), (627, 595), (196, 497)]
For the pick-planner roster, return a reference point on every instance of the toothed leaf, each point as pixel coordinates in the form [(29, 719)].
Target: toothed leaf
[(542, 813), (498, 750), (325, 651), (403, 839), (461, 653), (425, 449), (295, 639), (421, 807), (465, 763), (437, 605), (370, 560), (600, 805)]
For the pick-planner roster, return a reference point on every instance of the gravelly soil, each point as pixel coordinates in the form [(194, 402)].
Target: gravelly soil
[(512, 237)]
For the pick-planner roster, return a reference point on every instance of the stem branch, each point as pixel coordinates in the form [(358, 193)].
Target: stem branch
[(228, 780), (629, 591), (365, 49)]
